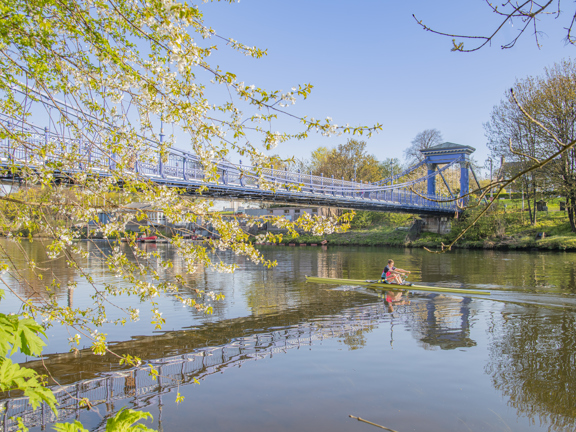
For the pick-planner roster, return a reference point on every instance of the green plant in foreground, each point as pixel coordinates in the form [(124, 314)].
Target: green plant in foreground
[(21, 334), (110, 74)]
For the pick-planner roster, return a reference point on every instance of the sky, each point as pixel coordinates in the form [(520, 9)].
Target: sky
[(370, 62)]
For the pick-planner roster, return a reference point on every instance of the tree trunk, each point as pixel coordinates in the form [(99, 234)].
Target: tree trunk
[(529, 208), (533, 222), (528, 196), (570, 209)]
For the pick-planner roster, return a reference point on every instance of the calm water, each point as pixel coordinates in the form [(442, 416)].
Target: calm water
[(280, 354)]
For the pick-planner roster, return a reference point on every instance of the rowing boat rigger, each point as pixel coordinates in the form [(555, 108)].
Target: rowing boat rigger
[(392, 287)]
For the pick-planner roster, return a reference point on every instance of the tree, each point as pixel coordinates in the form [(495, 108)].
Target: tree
[(513, 138), (557, 113), (390, 167), (106, 76), (422, 141), (541, 127), (349, 161), (317, 161)]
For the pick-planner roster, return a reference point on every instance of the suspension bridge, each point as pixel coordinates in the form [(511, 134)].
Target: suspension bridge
[(236, 181), (177, 168)]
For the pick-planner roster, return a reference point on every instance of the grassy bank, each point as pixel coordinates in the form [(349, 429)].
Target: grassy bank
[(506, 226)]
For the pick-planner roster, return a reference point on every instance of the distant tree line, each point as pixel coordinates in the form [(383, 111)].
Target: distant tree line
[(351, 161)]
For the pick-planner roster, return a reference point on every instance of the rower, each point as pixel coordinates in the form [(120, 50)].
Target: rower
[(392, 274)]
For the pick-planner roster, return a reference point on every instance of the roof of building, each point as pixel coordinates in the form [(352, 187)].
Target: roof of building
[(139, 206), (449, 147)]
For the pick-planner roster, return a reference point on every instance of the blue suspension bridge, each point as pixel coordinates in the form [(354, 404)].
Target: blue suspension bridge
[(181, 169)]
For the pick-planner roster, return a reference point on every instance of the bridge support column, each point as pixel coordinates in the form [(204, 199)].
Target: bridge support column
[(432, 179), (436, 224), (464, 181)]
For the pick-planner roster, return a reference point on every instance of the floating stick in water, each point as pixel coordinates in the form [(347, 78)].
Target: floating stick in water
[(373, 424)]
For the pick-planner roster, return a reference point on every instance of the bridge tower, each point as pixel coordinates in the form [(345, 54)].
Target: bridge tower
[(444, 154), (447, 153)]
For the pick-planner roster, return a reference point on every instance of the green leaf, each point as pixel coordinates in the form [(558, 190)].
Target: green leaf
[(20, 334), (12, 376), (70, 427), (6, 335), (27, 332), (125, 419), (21, 426)]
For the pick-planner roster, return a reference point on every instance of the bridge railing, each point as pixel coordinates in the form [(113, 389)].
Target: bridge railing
[(186, 169)]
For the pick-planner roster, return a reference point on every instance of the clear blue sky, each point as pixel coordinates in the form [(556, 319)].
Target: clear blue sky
[(371, 63)]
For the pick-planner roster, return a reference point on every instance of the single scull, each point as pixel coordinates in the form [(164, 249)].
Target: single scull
[(393, 287)]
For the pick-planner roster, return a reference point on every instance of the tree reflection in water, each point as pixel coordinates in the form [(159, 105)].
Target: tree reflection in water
[(533, 363)]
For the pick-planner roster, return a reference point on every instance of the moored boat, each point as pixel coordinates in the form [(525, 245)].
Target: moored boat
[(151, 239)]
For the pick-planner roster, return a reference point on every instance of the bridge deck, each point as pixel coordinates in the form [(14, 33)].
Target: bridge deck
[(184, 170)]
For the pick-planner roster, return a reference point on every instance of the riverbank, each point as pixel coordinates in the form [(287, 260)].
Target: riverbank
[(389, 236), (505, 227)]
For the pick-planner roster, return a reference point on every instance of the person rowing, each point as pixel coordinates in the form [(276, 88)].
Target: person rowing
[(393, 274)]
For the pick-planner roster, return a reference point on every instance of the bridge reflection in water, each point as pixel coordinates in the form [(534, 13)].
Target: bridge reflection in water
[(143, 391)]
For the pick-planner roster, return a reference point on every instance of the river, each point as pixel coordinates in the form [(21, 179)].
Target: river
[(280, 354)]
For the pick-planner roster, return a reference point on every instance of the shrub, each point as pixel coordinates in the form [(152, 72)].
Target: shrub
[(491, 225), (366, 219)]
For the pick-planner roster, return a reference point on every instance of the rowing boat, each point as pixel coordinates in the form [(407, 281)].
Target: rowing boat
[(390, 287)]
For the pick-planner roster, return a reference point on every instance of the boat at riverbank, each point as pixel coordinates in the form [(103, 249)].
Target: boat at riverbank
[(150, 239), (373, 284)]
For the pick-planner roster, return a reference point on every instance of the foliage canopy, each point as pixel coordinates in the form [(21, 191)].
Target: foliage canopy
[(104, 76)]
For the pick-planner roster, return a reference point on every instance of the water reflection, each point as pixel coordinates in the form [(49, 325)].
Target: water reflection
[(531, 271), (443, 322), (394, 299), (49, 282), (533, 363), (267, 313), (143, 391), (185, 355)]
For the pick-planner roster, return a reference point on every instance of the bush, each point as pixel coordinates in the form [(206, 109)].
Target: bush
[(366, 219), (491, 225)]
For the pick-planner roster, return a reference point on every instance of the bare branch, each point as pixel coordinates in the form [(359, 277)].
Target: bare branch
[(532, 119), (518, 153), (528, 12)]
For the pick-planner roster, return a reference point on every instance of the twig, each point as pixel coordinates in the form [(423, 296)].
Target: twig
[(522, 11), (373, 424)]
